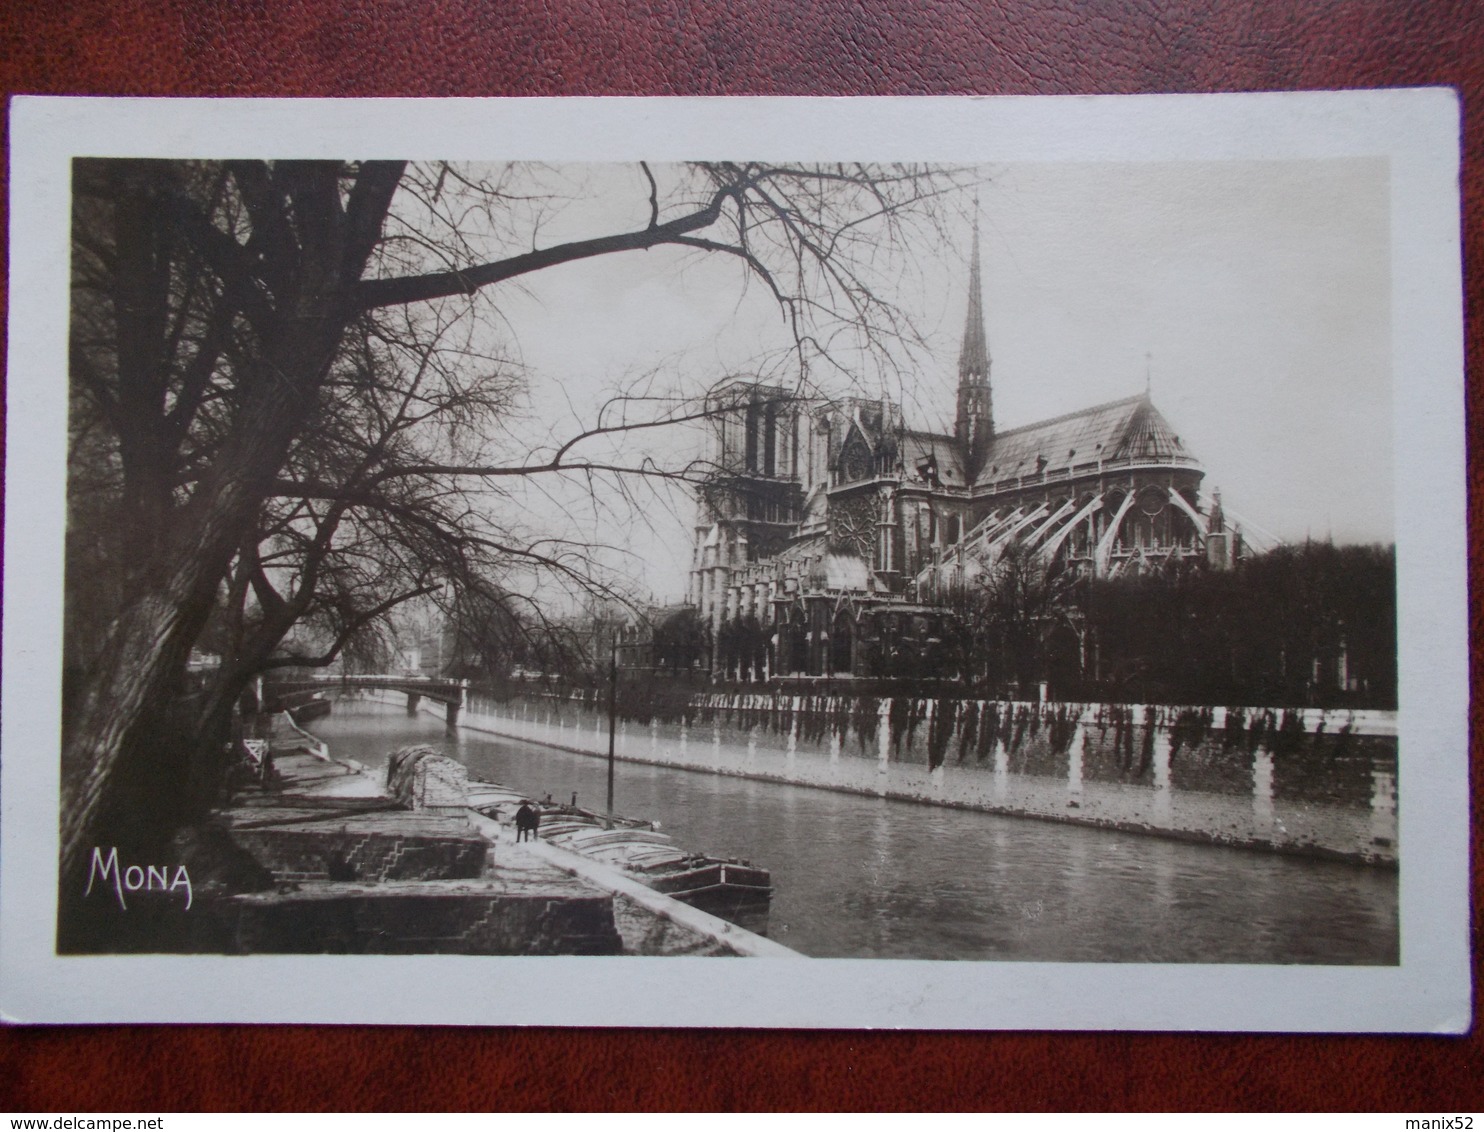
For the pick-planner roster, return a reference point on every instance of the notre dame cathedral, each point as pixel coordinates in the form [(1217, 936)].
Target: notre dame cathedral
[(831, 536)]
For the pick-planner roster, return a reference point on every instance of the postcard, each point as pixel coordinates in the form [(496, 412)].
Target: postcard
[(912, 562)]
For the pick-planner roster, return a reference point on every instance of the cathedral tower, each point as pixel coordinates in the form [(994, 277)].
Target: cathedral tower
[(973, 427)]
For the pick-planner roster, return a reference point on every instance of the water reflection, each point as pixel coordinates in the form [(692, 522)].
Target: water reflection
[(877, 878)]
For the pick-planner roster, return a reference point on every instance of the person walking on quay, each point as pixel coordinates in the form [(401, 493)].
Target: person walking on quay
[(527, 821)]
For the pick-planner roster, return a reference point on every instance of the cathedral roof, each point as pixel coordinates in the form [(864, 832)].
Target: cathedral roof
[(810, 546), (877, 422), (1130, 429), (919, 447), (833, 569)]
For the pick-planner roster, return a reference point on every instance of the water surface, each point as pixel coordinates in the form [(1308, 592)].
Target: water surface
[(878, 878)]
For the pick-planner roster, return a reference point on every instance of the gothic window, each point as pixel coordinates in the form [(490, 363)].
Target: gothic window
[(854, 525), (842, 645), (770, 440), (728, 442), (752, 430), (793, 443), (1152, 500)]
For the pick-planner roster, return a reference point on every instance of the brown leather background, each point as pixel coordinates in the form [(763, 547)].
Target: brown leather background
[(525, 47)]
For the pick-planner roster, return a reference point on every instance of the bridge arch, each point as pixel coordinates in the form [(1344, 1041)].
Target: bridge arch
[(448, 692)]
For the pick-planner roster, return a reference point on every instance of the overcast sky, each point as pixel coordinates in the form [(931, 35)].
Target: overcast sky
[(1256, 295)]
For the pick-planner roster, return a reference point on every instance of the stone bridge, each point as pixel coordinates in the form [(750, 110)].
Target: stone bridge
[(440, 689)]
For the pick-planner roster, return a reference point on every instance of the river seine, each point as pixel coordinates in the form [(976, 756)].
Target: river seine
[(876, 878)]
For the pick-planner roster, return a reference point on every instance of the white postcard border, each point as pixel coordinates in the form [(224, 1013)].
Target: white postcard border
[(1430, 990)]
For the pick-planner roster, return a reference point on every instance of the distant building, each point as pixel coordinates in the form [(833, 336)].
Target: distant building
[(830, 531), (669, 637)]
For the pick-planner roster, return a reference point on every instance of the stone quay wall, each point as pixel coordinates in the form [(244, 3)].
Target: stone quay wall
[(448, 917), (296, 855), (1291, 780)]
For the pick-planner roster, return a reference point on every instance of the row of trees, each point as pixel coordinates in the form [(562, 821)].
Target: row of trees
[(290, 416), (1309, 624), (1313, 624), (1306, 625)]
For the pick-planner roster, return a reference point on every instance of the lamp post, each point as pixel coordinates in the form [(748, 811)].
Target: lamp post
[(612, 720)]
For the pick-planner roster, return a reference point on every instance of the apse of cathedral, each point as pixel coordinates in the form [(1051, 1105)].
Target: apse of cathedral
[(832, 537)]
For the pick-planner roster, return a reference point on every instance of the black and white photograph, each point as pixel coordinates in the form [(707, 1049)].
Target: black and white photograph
[(1014, 546)]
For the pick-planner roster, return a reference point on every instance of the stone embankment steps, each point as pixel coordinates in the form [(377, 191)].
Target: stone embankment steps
[(358, 870)]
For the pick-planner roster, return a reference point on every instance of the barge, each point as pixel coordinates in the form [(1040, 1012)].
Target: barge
[(728, 887)]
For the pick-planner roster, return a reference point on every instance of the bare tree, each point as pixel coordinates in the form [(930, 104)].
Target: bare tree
[(218, 308), (1004, 616)]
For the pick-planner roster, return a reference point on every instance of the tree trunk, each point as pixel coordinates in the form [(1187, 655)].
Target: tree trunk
[(142, 664), (293, 284)]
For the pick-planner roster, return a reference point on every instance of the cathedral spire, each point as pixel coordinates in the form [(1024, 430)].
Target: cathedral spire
[(974, 423), (973, 357)]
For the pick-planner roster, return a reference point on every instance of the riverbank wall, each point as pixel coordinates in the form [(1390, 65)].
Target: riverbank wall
[(1309, 782)]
